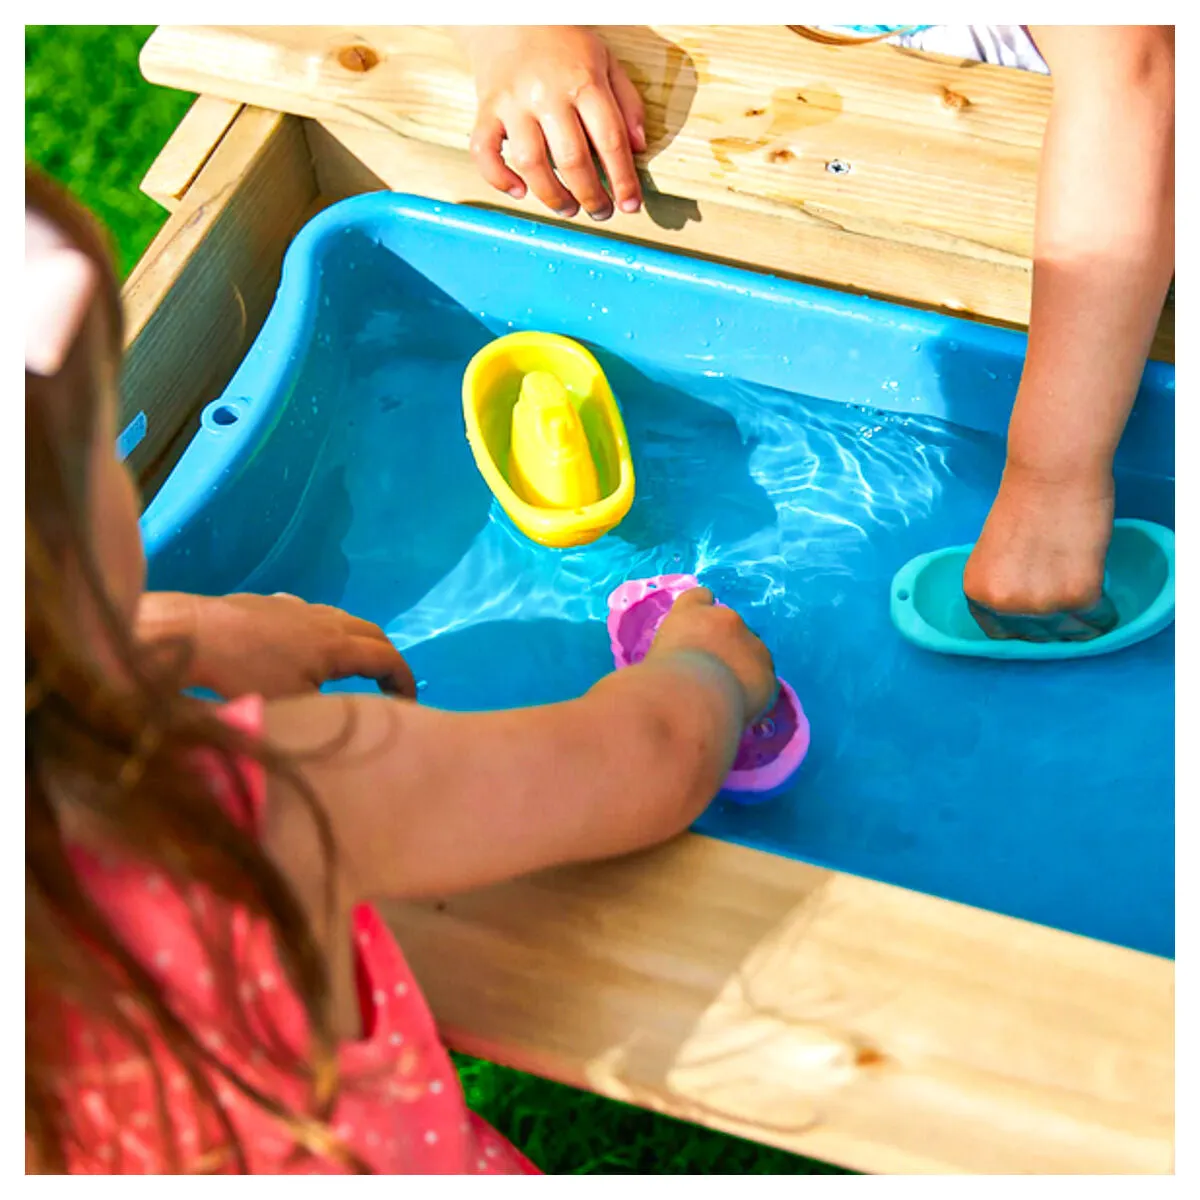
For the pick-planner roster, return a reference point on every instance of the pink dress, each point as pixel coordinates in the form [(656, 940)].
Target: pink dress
[(400, 1108)]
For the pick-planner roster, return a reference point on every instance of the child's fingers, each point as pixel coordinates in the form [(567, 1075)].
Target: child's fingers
[(694, 598), (378, 659), (605, 125), (487, 142), (573, 160), (351, 625), (528, 155), (633, 108)]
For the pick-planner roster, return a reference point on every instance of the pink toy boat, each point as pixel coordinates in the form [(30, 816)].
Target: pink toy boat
[(772, 749)]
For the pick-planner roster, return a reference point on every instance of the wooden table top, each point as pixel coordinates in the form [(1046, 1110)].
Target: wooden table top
[(936, 207)]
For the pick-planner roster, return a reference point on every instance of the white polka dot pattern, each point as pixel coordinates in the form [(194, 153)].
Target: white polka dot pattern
[(400, 1109)]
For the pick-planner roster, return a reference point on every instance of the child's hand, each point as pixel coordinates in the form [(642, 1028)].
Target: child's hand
[(555, 87), (698, 625), (274, 646), (1043, 545)]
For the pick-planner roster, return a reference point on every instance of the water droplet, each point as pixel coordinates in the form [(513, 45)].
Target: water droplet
[(718, 322), (764, 728), (990, 374), (787, 362), (629, 334), (603, 310), (422, 684), (551, 268), (952, 346)]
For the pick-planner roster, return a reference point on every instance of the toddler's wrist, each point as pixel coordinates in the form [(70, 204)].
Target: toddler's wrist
[(712, 671), (1052, 468)]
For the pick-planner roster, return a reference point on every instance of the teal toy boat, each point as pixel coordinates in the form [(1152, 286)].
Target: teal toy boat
[(929, 609)]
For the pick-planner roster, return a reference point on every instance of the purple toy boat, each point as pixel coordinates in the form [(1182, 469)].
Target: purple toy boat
[(772, 749)]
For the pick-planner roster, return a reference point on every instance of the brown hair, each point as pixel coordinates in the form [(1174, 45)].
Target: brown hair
[(107, 767)]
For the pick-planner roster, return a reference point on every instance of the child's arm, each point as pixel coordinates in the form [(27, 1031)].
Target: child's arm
[(1104, 252), (424, 802), (271, 645), (553, 92)]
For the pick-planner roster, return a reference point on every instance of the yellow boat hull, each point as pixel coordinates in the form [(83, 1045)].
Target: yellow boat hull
[(491, 386)]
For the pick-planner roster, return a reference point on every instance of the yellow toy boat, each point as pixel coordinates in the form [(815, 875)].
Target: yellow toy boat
[(548, 438)]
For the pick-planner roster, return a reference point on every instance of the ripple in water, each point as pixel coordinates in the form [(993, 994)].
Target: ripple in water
[(976, 781)]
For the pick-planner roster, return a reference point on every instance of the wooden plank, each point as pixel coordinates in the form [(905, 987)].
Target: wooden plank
[(859, 1023), (942, 155), (350, 159), (188, 149), (724, 118), (195, 302)]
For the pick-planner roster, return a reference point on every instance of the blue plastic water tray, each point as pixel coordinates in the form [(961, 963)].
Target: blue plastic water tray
[(793, 448)]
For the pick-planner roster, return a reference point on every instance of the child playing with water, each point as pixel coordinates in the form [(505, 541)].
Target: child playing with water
[(207, 986), (1104, 254)]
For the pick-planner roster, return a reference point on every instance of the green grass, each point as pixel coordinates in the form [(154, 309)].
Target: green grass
[(567, 1132), (95, 125)]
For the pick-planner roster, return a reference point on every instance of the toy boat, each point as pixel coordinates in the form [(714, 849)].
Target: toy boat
[(548, 438), (772, 749), (929, 609)]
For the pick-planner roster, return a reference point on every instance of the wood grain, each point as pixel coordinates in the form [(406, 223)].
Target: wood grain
[(350, 159), (942, 155), (188, 149), (196, 300), (859, 1023)]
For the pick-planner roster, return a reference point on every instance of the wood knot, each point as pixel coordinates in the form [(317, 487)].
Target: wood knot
[(358, 59), (954, 99), (868, 1056), (755, 112), (780, 156)]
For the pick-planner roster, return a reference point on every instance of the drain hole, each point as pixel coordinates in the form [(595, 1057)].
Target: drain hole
[(902, 595), (224, 415)]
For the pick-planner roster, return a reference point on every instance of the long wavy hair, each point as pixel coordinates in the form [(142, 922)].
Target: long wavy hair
[(108, 761)]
